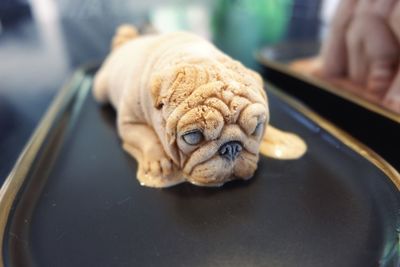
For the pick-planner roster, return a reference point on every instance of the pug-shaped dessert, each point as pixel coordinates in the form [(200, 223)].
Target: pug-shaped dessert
[(185, 110)]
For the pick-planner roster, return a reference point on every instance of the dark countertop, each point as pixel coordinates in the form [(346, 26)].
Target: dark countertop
[(41, 45)]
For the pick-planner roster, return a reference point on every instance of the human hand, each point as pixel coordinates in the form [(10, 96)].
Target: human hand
[(363, 46)]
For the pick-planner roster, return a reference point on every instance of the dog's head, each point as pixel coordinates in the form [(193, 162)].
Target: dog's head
[(212, 119)]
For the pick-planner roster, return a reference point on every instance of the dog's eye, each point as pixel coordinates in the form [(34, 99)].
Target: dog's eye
[(258, 129), (193, 138)]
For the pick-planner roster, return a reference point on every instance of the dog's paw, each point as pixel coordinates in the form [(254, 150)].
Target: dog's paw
[(155, 168), (158, 172), (158, 167)]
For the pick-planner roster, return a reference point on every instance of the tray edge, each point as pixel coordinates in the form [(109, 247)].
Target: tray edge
[(281, 67), (17, 176), (355, 145)]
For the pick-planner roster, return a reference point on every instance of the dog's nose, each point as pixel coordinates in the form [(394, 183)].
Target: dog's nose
[(230, 150)]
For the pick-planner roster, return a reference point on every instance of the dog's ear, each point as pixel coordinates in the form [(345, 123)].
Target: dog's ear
[(183, 80), (257, 77), (163, 87), (155, 90), (246, 74), (176, 84)]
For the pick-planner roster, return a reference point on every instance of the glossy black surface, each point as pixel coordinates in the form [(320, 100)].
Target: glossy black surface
[(82, 205)]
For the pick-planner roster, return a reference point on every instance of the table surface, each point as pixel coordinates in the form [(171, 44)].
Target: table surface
[(42, 43)]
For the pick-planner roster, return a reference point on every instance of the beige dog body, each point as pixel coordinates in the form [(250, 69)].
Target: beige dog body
[(185, 110)]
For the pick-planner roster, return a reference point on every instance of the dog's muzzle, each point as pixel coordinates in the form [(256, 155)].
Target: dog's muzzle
[(230, 150)]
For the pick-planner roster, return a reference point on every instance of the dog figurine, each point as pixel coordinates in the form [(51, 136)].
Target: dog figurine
[(185, 110)]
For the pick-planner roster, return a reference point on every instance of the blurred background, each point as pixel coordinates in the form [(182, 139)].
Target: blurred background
[(43, 41)]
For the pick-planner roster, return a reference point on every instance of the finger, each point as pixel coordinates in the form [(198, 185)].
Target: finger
[(392, 97), (357, 60), (383, 8), (382, 52), (394, 21), (334, 56), (364, 7), (333, 52), (344, 13), (380, 76), (380, 8)]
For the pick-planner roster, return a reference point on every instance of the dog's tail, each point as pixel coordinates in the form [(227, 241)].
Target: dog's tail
[(124, 33)]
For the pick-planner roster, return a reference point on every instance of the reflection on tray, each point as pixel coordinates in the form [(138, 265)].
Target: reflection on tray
[(311, 67), (299, 60)]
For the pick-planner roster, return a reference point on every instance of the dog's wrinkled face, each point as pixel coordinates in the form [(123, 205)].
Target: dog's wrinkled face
[(214, 126), (213, 151)]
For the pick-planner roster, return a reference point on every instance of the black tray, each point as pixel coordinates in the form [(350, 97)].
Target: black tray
[(73, 200), (371, 124)]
